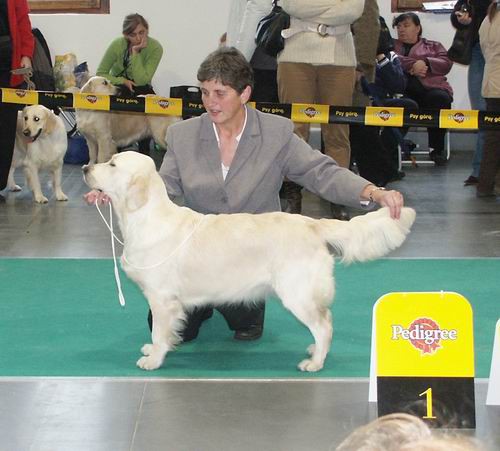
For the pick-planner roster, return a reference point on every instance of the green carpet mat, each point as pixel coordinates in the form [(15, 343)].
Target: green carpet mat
[(61, 317)]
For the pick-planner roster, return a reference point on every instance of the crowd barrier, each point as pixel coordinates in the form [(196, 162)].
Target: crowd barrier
[(297, 112)]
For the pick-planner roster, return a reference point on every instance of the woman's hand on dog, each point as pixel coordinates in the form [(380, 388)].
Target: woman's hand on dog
[(92, 196)]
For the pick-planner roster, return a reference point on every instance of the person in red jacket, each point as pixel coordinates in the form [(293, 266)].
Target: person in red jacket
[(16, 50)]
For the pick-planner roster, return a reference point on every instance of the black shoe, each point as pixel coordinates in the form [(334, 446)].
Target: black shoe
[(438, 158), (252, 333), (471, 181), (339, 212)]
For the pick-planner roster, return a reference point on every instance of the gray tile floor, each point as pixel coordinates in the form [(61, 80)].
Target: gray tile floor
[(121, 414)]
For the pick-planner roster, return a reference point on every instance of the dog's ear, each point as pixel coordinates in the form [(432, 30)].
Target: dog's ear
[(138, 193), (50, 122)]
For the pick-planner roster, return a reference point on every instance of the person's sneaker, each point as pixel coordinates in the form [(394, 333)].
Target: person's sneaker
[(252, 333), (471, 181)]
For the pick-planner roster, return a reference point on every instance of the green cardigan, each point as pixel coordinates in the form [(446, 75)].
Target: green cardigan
[(141, 68)]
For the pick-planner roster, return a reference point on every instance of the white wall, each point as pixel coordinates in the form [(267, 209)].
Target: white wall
[(188, 31)]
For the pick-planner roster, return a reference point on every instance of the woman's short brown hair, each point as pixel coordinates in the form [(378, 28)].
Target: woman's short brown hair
[(228, 66), (131, 21)]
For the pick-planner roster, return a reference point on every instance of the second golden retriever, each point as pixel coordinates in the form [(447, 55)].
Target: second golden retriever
[(41, 143), (106, 131)]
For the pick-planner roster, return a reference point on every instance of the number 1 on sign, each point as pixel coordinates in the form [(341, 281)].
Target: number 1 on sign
[(428, 395)]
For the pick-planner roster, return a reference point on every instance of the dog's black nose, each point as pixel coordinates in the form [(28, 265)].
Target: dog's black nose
[(26, 132)]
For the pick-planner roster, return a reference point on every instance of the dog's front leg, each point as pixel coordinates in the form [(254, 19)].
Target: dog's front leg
[(106, 149), (167, 320), (33, 181), (11, 184), (56, 184)]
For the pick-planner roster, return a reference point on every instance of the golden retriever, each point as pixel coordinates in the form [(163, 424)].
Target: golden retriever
[(41, 143), (181, 258), (106, 131)]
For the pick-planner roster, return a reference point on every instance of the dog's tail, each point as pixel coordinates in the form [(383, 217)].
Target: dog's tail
[(369, 236)]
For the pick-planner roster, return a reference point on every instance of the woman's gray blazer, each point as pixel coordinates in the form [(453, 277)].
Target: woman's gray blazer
[(267, 152)]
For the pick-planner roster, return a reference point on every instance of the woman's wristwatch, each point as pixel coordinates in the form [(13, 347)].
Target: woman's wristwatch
[(377, 188)]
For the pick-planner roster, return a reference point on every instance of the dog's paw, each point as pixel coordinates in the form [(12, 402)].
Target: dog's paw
[(41, 199), (15, 188), (149, 363), (310, 366), (61, 196), (147, 349)]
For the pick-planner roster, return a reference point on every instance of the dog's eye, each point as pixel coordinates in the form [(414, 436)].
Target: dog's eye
[(112, 164), (36, 118), (25, 118), (105, 82)]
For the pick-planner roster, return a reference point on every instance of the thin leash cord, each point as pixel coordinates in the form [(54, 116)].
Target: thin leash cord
[(114, 237)]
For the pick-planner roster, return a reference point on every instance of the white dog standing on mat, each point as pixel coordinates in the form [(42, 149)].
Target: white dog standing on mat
[(181, 258), (41, 143)]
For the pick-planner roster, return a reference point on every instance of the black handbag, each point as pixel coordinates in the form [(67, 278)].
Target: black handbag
[(461, 47), (268, 36)]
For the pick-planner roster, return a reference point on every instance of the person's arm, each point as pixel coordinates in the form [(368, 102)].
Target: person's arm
[(143, 64), (24, 31), (169, 170), (438, 61), (245, 38), (111, 56)]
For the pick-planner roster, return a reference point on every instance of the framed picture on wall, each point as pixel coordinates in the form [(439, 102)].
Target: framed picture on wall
[(69, 6)]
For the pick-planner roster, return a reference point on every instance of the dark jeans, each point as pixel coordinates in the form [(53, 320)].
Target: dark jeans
[(238, 317), (431, 99), (8, 121), (490, 162), (265, 86)]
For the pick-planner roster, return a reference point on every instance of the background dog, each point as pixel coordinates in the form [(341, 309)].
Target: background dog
[(181, 258), (106, 131), (41, 143)]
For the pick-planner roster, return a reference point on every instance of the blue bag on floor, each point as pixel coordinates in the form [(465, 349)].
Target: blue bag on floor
[(78, 152)]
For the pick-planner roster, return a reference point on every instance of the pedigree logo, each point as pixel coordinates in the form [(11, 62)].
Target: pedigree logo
[(385, 115), (458, 118), (424, 334), (163, 103), (91, 99), (310, 112), (20, 93)]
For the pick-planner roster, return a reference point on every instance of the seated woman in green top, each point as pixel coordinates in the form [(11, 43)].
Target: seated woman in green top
[(130, 62)]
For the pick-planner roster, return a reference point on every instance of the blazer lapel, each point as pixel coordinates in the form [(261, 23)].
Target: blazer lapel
[(210, 148), (248, 142)]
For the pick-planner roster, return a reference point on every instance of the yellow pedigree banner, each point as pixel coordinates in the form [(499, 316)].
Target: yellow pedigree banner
[(309, 113), (424, 335), (465, 119), (163, 105), (91, 101), (19, 96), (383, 116)]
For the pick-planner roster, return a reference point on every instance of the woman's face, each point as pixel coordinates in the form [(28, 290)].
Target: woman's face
[(137, 35), (223, 103), (408, 31)]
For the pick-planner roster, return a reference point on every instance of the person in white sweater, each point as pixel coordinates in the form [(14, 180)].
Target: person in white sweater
[(489, 36), (318, 65), (244, 16)]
